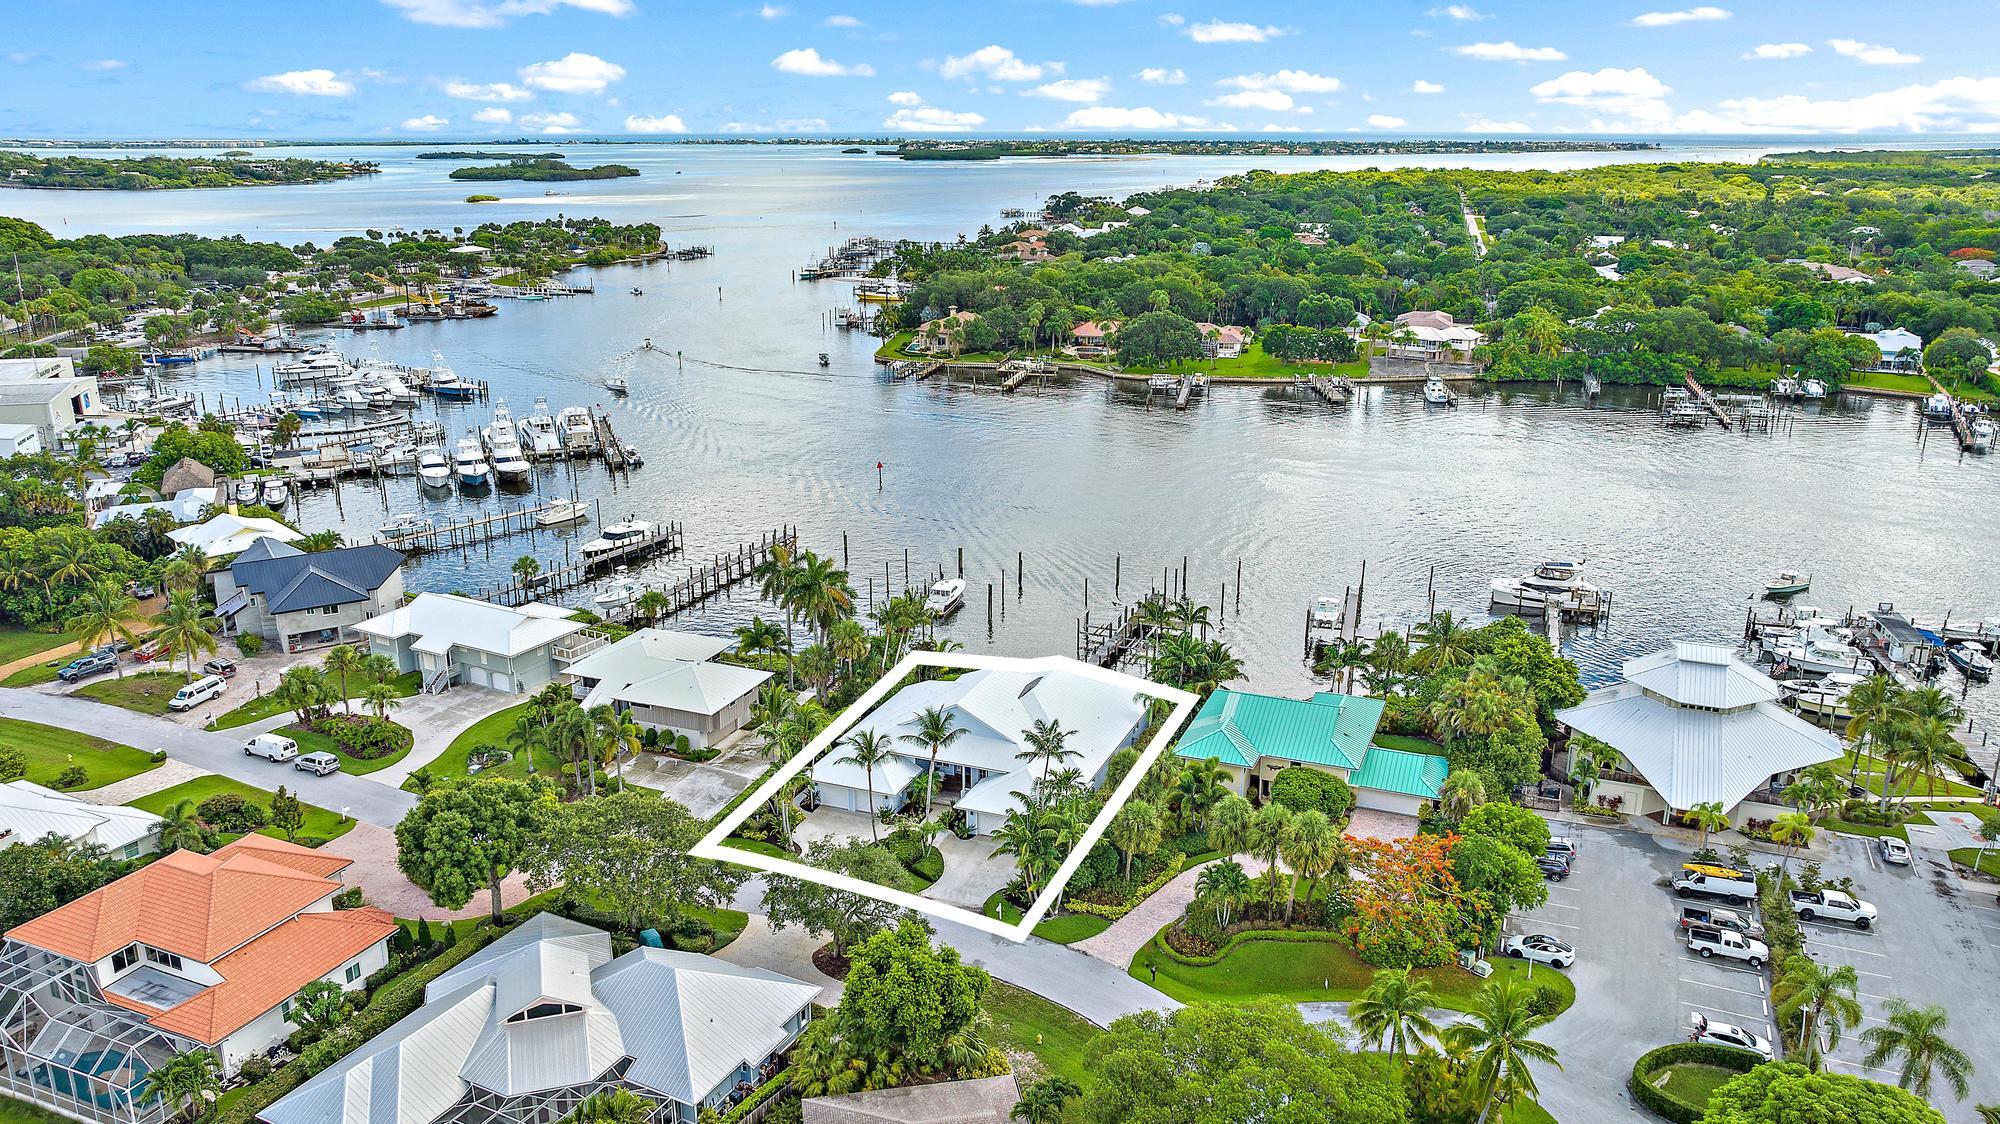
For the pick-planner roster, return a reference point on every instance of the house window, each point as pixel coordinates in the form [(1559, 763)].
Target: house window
[(353, 971), (164, 958), (124, 958), (543, 1011)]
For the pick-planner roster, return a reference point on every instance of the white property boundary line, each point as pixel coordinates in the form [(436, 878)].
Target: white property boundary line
[(712, 847)]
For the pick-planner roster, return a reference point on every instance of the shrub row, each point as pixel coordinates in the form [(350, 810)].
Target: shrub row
[(1782, 933), (779, 1082), (1683, 1053), (1292, 936), (1152, 886)]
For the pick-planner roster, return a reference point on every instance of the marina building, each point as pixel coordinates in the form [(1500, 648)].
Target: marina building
[(47, 394)]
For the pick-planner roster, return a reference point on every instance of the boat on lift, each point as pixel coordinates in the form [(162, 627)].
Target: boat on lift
[(247, 491), (1784, 388), (408, 523), (945, 598), (1970, 660), (1325, 614), (1436, 393), (468, 462), (562, 513), (432, 467), (1788, 583), (1818, 650), (1557, 583), (1823, 700), (1982, 435), (276, 493), (1812, 389), (618, 595), (618, 536)]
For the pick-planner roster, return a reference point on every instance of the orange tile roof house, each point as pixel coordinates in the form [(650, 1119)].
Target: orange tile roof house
[(192, 950)]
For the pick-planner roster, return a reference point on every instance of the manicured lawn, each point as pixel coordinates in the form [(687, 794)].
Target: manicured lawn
[(312, 741), (1873, 831), (727, 923), (1024, 1022), (1526, 1112), (50, 750), (1255, 363), (493, 730), (21, 1112), (265, 705), (1915, 384), (1870, 778), (1694, 1084), (320, 823), (1066, 928), (1990, 865), (759, 847), (1409, 744), (32, 676), (147, 692), (19, 643), (1310, 971)]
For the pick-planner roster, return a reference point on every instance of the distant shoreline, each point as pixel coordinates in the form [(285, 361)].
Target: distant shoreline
[(905, 146)]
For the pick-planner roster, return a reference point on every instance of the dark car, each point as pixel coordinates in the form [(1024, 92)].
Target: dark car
[(83, 667), (1553, 867), (219, 666)]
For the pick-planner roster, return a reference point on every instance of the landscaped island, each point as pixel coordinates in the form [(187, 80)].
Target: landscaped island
[(155, 173), (542, 168)]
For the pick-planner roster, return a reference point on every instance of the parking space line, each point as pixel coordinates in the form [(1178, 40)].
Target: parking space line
[(1872, 995), (1699, 959), (1531, 921), (1720, 987), (1559, 905), (1859, 1066), (1877, 975), (1848, 948), (1760, 1019)]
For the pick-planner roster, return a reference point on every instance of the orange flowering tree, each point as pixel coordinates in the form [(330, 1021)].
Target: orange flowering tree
[(1409, 909)]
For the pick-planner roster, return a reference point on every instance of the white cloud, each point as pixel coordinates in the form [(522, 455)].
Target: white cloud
[(1777, 51), (906, 97), (1223, 31), (1581, 87), (1509, 51), (929, 119), (1702, 14), (807, 61), (574, 73), (550, 122), (995, 62), (1290, 81), (841, 21), (1384, 121), (1423, 87), (102, 64), (428, 123), (496, 13), (493, 115), (665, 123), (1074, 89), (487, 91), (1162, 76), (773, 12), (1872, 54), (1275, 100), (1488, 125), (309, 83), (1959, 104), (1142, 117), (1276, 128), (787, 125), (1464, 13)]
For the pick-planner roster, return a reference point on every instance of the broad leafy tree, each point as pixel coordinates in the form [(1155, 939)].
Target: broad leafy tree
[(471, 835)]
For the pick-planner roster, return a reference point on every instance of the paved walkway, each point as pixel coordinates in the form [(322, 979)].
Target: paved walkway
[(1118, 944), (373, 850), (222, 753), (163, 776)]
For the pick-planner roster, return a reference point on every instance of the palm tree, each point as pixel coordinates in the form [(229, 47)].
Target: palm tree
[(185, 630), (574, 738), (1341, 659), (72, 558), (1460, 793), (1045, 1101), (1392, 1010), (1268, 829), (301, 690), (937, 727), (1876, 704), (381, 698), (1792, 831), (849, 641), (1224, 884), (1442, 643), (527, 736), (1388, 658), (1708, 817), (1229, 825), (1309, 848), (1822, 999), (1201, 784), (1046, 742), (105, 613), (1135, 829), (759, 635), (185, 1078), (1032, 844), (618, 733), (1496, 1039), (342, 661), (820, 592), (1917, 1035), (527, 569), (1818, 789), (180, 829), (868, 749), (774, 583), (613, 1106), (652, 605)]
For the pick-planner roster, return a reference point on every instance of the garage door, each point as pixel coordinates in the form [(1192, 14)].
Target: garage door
[(503, 682), (1388, 801), (477, 677)]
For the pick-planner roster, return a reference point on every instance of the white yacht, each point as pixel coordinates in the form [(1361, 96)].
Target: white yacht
[(445, 383), (172, 403), (351, 399), (617, 536), (579, 431), (1825, 699), (388, 387), (1968, 658), (1559, 582), (1982, 435), (1326, 612), (538, 431), (1784, 388), (946, 597), (1812, 389), (320, 361), (247, 491), (469, 462), (432, 468), (1938, 405), (409, 523), (504, 445), (618, 595), (1816, 649), (276, 493), (1436, 392), (561, 513)]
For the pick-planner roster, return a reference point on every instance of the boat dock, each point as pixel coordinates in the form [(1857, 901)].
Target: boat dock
[(667, 539), (1707, 402), (1335, 390), (1112, 642), (915, 370), (608, 444), (470, 532), (717, 575), (1182, 388), (1018, 371)]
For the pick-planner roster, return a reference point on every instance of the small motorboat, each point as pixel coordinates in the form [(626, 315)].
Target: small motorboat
[(1788, 583), (617, 536), (247, 491), (1811, 389), (432, 467), (618, 595), (824, 361), (562, 513), (408, 523), (1938, 405), (1784, 388), (637, 291), (1436, 393), (633, 458), (1967, 658), (276, 493), (1823, 700), (172, 403), (945, 598), (1559, 583), (1325, 613), (618, 385), (1982, 435)]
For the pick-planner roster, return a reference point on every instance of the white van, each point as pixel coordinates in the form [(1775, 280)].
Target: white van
[(272, 747), (196, 693)]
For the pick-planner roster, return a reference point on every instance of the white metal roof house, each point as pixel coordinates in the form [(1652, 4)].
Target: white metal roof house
[(535, 1023), (452, 639), (669, 681), (228, 534), (1695, 725), (996, 709), (29, 812), (185, 506)]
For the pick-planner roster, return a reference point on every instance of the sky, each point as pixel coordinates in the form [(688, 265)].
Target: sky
[(356, 69)]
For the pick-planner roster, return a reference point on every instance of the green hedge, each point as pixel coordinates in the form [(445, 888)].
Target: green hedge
[(1693, 1053), (392, 1002), (1293, 936), (1783, 934), (779, 1082), (1152, 886)]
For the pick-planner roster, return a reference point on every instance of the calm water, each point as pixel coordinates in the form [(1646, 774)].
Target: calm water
[(742, 432)]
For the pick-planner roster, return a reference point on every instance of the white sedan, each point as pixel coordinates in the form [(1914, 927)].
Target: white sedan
[(1540, 947), (1725, 1034), (1895, 851)]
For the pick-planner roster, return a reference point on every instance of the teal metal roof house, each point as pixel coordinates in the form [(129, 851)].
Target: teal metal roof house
[(1253, 736)]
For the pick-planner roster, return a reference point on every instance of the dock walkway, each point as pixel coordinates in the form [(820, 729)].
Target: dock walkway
[(470, 532), (1336, 390), (1700, 394), (666, 540)]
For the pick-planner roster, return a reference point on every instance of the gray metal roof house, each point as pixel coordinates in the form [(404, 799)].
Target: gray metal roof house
[(537, 1022), (292, 598)]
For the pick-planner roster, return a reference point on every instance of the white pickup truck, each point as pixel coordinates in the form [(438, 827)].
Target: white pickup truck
[(1833, 904), (1715, 881), (1711, 941)]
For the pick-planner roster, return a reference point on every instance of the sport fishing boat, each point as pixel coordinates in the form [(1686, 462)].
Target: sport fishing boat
[(579, 432), (1788, 583), (945, 597), (1823, 700), (1552, 583), (618, 536), (504, 446), (432, 467), (445, 383), (619, 385), (468, 462), (276, 493), (618, 595), (538, 431), (409, 523), (1967, 658), (562, 513), (1816, 649)]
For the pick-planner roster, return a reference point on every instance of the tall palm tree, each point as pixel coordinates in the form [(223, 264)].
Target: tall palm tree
[(849, 641), (185, 630), (1199, 787), (937, 728), (1497, 1040), (868, 749), (105, 613), (1916, 1035), (1792, 831), (1229, 825), (527, 736), (526, 569), (1460, 793), (1822, 1000), (1442, 643), (1048, 743), (184, 1079), (72, 560), (1033, 845), (613, 1106), (651, 605), (1309, 847), (1225, 886), (1268, 830), (774, 583), (820, 592), (759, 635), (381, 698), (574, 738), (1391, 1011), (1708, 817), (342, 661), (1388, 659), (1341, 659), (617, 732)]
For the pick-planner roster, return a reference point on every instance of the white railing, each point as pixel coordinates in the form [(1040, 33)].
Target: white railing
[(579, 645), (440, 682)]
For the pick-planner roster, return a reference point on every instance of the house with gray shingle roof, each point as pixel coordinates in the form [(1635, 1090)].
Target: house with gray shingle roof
[(287, 596)]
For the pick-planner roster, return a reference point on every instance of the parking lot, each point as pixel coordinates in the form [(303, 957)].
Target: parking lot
[(1639, 987)]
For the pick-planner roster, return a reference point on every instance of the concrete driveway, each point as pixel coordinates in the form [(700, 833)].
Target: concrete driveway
[(972, 872), (703, 788)]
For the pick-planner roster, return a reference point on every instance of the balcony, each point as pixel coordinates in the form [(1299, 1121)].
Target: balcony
[(579, 645)]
